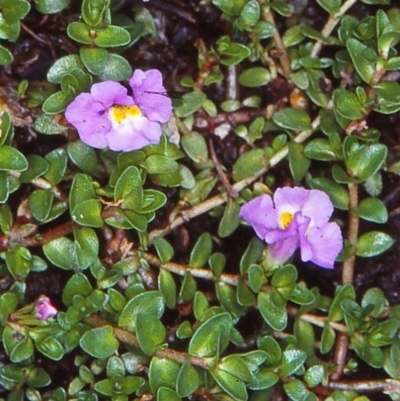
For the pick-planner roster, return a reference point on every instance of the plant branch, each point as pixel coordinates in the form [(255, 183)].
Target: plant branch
[(279, 45), (330, 26), (129, 338), (384, 385), (352, 235)]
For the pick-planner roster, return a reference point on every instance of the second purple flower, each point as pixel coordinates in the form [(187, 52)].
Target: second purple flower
[(296, 218), (109, 117)]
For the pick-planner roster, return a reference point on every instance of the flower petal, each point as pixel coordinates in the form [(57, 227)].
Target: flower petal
[(90, 119), (290, 200), (318, 207), (282, 250), (109, 93), (260, 213), (133, 133), (326, 243), (150, 95)]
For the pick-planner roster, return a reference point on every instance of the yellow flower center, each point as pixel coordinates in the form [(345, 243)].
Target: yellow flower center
[(120, 113), (285, 219)]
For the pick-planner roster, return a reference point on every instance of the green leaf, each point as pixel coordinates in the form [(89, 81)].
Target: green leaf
[(231, 53), (192, 102), (331, 6), (275, 316), (188, 379), (256, 278), (88, 213), (251, 255), (345, 292), (320, 149), (83, 156), (348, 105), (99, 342), (80, 32), (226, 295), (244, 296), (112, 36), (93, 11), (152, 200), (157, 164), (292, 360), (163, 372), (94, 59), (255, 77), (14, 10), (51, 348), (81, 191), (116, 68), (195, 147), (40, 202), (236, 366), (150, 332), (337, 193), (294, 119), (230, 384), (212, 336), (86, 246), (37, 166), (6, 128), (362, 63), (263, 379), (61, 253), (167, 394), (297, 391), (63, 66), (201, 251), (129, 185), (56, 103), (299, 164), (51, 6), (57, 160), (12, 160), (249, 16), (327, 339), (6, 56), (372, 209), (366, 160), (78, 284), (23, 350), (373, 243), (374, 297), (167, 287), (249, 163), (230, 219), (150, 302), (164, 249), (188, 287)]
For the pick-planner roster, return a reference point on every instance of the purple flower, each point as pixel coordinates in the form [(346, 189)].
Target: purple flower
[(109, 117), (44, 309), (296, 218)]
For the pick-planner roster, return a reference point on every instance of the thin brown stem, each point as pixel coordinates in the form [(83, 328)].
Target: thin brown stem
[(222, 176), (340, 355), (352, 235), (279, 45)]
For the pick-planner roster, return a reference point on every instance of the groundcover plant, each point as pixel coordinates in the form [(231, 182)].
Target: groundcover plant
[(199, 200)]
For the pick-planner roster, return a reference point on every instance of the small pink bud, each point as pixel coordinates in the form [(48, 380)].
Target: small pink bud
[(44, 308)]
